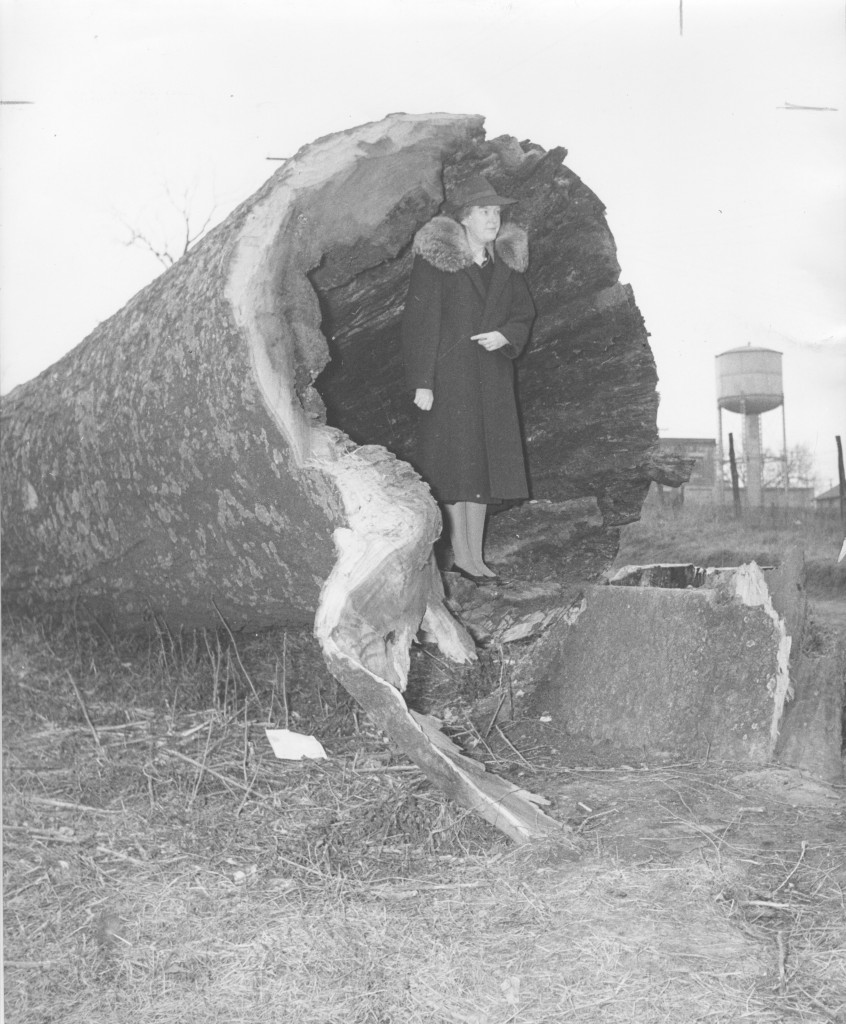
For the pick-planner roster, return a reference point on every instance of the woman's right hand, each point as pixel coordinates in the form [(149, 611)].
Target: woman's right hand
[(424, 398)]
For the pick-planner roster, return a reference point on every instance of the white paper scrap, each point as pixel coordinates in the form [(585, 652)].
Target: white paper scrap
[(294, 746)]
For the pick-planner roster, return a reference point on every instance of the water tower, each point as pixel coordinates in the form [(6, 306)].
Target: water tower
[(749, 382)]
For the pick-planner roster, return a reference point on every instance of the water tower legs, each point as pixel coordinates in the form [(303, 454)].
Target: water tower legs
[(753, 458)]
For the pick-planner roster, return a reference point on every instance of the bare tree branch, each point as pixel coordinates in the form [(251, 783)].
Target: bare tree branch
[(138, 238), (188, 231)]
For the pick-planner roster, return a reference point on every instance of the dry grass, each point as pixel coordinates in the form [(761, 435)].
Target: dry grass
[(161, 866), (708, 535)]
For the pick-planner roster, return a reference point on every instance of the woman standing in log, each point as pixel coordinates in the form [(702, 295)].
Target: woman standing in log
[(468, 314)]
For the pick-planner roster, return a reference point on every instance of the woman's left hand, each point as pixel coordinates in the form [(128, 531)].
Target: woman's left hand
[(490, 340)]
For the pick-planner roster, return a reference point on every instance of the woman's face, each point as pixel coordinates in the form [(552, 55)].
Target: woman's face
[(482, 224)]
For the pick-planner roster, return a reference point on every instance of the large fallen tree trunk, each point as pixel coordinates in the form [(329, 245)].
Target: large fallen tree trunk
[(180, 461)]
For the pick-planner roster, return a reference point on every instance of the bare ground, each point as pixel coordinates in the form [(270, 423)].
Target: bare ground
[(161, 865)]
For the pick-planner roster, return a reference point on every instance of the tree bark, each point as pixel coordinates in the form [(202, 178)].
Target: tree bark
[(228, 441)]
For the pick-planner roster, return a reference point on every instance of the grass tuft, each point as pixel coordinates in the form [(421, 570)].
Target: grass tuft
[(709, 535)]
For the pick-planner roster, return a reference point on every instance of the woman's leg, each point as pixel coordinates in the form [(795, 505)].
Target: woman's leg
[(476, 516), (467, 533), (457, 515)]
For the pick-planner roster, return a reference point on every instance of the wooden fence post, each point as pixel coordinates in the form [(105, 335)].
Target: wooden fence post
[(735, 485)]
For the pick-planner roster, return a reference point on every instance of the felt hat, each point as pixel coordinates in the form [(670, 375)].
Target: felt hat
[(476, 191)]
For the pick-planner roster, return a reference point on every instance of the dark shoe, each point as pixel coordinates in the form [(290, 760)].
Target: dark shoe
[(480, 581)]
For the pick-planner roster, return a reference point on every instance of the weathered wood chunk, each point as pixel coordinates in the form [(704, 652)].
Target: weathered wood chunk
[(698, 662)]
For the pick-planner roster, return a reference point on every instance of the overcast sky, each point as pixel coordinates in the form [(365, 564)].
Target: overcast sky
[(729, 210)]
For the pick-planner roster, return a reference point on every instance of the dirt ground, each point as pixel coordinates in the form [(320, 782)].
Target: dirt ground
[(161, 865)]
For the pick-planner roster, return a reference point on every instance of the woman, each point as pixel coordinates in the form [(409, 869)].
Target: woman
[(468, 314)]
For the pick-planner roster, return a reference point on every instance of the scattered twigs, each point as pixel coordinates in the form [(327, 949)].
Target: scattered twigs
[(838, 1019), (29, 963), (94, 732), (102, 629), (717, 842), (225, 779), (199, 778), (495, 715), (67, 805), (247, 792), (274, 699), (161, 632), (593, 818), (184, 734), (767, 903), (323, 846), (795, 867), (781, 943), (512, 747), (214, 660), (245, 759), (11, 894), (235, 649), (45, 835), (285, 676), (305, 867), (55, 731), (109, 852)]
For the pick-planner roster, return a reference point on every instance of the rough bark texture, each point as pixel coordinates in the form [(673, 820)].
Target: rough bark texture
[(178, 457), (179, 461)]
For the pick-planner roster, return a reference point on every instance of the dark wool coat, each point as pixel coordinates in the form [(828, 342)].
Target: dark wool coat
[(469, 443)]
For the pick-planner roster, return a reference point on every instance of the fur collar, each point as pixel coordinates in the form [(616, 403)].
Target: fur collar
[(442, 243)]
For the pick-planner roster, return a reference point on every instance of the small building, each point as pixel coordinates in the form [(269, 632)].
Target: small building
[(829, 501), (776, 497), (701, 488)]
